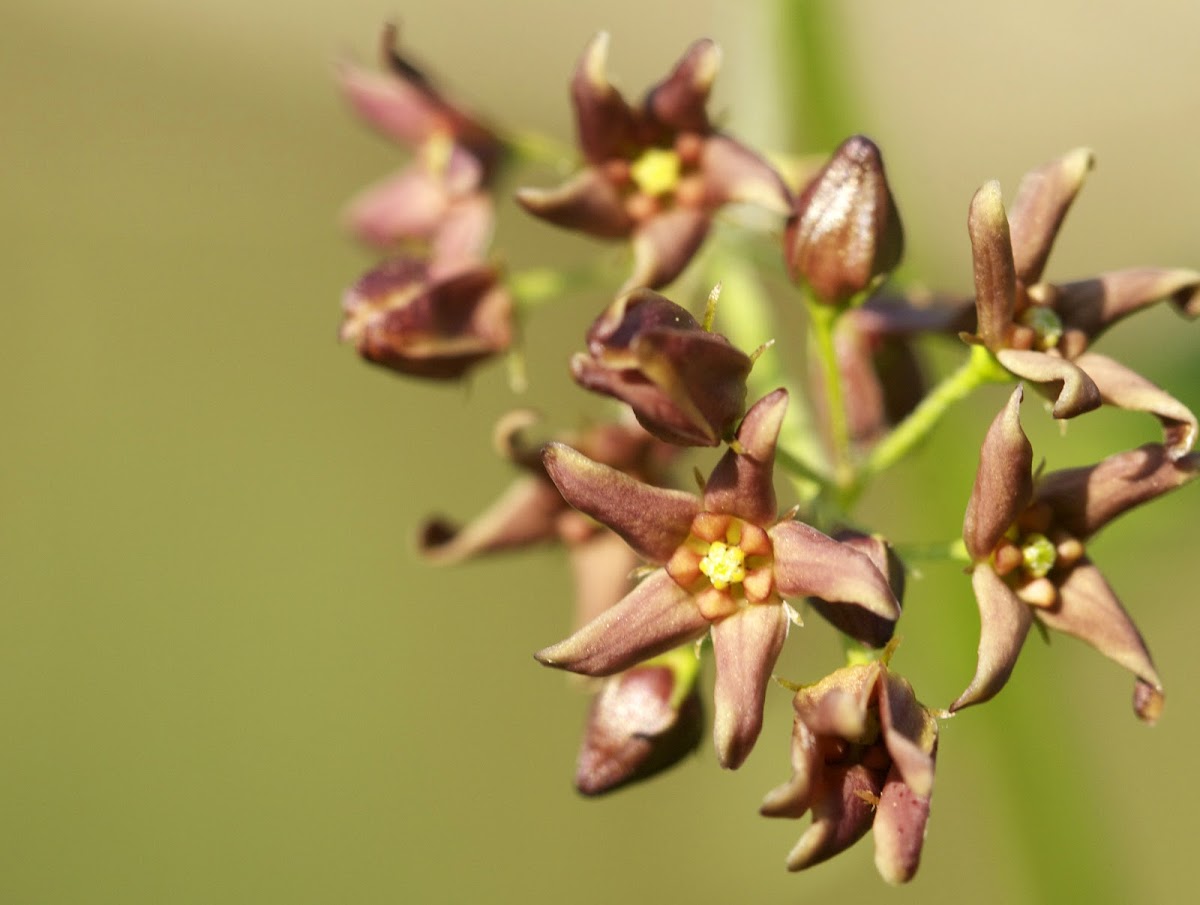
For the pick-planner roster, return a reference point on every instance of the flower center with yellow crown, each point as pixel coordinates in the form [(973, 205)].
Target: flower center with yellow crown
[(656, 172), (1030, 551), (725, 563)]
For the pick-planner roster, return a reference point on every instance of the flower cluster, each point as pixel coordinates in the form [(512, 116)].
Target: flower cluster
[(666, 577)]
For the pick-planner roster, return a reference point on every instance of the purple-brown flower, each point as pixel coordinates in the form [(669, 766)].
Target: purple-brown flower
[(405, 317), (863, 751), (655, 173), (1028, 545), (685, 384), (726, 563), (1041, 331)]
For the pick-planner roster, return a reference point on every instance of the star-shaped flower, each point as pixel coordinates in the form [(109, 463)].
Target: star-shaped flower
[(657, 172), (1028, 541), (726, 563), (1042, 331)]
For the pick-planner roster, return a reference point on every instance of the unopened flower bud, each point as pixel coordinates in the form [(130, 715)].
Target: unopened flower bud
[(845, 233), (685, 384)]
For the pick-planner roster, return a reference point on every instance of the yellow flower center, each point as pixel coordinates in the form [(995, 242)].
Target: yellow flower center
[(1038, 555), (724, 565), (656, 171), (1046, 323)]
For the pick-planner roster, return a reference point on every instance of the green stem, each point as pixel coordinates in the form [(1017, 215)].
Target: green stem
[(813, 63), (824, 319), (534, 147)]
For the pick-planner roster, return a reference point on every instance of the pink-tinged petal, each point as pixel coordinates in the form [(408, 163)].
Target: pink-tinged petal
[(1003, 483), (463, 236), (605, 122), (1004, 623), (841, 817), (602, 566), (1088, 609), (1042, 201), (899, 830), (678, 101), (393, 107), (1092, 306), (839, 704), (853, 620), (405, 206), (909, 731), (526, 514), (664, 244), (1072, 390), (794, 797), (588, 202), (735, 174), (652, 520), (810, 564), (742, 483), (995, 275), (746, 646), (654, 617), (1128, 390), (1148, 702), (1086, 499)]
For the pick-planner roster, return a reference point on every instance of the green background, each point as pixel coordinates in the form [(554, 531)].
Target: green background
[(225, 677)]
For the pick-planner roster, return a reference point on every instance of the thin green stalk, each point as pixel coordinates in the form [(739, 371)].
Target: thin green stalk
[(813, 67), (824, 319)]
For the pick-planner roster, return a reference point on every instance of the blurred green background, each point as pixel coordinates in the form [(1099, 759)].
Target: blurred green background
[(224, 676)]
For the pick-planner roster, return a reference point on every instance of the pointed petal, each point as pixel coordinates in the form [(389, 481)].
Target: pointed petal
[(1088, 609), (588, 202), (742, 483), (525, 514), (1042, 201), (810, 564), (678, 101), (1003, 483), (794, 797), (652, 520), (463, 236), (850, 619), (746, 646), (841, 817), (1128, 390), (393, 107), (1072, 390), (995, 276), (1086, 499), (664, 245), (899, 830), (1004, 623), (601, 566), (654, 617), (605, 122), (1093, 306), (406, 205), (909, 731), (735, 174)]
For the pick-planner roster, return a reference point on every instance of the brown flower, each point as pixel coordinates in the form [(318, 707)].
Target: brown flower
[(1028, 546), (655, 173)]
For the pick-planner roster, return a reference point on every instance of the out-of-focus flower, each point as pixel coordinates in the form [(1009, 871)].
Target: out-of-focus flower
[(1027, 544), (726, 563), (845, 234), (685, 384), (1041, 331), (402, 316), (863, 751), (657, 172)]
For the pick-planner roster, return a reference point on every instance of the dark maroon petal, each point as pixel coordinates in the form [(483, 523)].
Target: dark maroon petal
[(1072, 390), (1003, 483), (1042, 201), (664, 245), (851, 619), (735, 174), (605, 122), (1088, 609), (654, 617), (526, 514), (746, 646), (1086, 499), (810, 564), (652, 520), (742, 483), (899, 830), (1128, 390), (588, 202), (1092, 306), (678, 101), (995, 275), (841, 816), (1004, 623)]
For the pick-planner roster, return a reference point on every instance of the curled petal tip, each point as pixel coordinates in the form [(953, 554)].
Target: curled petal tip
[(1148, 702), (595, 61)]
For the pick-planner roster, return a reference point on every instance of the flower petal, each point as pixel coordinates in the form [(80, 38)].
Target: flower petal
[(1003, 482), (794, 797), (852, 620), (742, 483), (1128, 390), (395, 108), (652, 520), (810, 564), (1088, 609), (1086, 499), (1094, 305), (654, 617), (664, 244), (746, 646), (605, 122), (909, 731), (525, 514), (899, 830), (735, 174), (1042, 201), (841, 816), (995, 276), (1072, 390), (678, 101), (587, 201), (1004, 621), (602, 566)]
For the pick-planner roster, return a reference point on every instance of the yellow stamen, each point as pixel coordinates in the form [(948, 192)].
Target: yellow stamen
[(656, 172), (724, 565)]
